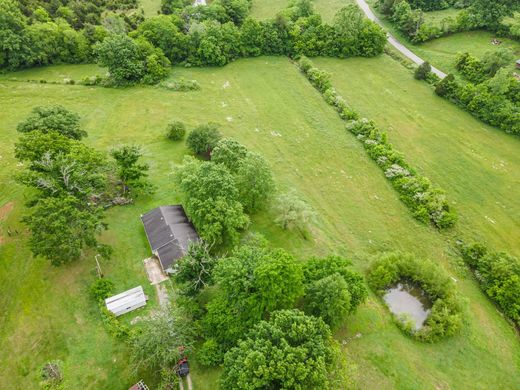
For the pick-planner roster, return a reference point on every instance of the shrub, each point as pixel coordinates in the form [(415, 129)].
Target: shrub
[(293, 212), (52, 376), (101, 289), (422, 72), (499, 276), (329, 299), (203, 139), (182, 85), (210, 354), (176, 131), (446, 316)]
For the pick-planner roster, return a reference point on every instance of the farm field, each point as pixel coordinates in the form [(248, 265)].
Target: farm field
[(266, 104), (473, 162)]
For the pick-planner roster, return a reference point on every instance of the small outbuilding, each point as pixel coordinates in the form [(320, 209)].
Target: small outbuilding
[(169, 232), (126, 301)]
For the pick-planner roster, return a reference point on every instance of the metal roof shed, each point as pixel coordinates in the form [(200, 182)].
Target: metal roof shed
[(126, 301), (169, 233)]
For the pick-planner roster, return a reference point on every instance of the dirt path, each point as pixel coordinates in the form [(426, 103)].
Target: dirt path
[(156, 277), (393, 41)]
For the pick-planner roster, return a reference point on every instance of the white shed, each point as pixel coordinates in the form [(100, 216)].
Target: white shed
[(127, 301)]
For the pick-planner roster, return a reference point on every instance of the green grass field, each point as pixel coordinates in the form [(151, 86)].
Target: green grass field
[(269, 106), (266, 9)]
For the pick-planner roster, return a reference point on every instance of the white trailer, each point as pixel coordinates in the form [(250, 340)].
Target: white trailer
[(126, 301)]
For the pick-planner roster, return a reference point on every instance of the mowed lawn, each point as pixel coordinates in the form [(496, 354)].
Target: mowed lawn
[(267, 9), (266, 104)]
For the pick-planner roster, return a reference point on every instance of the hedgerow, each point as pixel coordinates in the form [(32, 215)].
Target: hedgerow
[(491, 108), (499, 276), (427, 203), (447, 313)]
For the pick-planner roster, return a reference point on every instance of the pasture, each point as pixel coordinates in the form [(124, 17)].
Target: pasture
[(266, 104)]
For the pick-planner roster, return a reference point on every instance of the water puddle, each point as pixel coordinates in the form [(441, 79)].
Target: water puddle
[(409, 300)]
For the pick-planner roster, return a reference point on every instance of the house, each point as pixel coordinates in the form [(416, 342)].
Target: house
[(126, 301), (169, 233), (518, 64)]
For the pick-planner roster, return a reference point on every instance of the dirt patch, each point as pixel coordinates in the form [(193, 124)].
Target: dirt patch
[(156, 276), (5, 210), (154, 271)]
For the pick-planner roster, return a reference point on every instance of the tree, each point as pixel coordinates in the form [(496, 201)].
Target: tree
[(422, 72), (490, 13), (62, 227), (293, 212), (131, 61), (290, 351), (53, 118), (494, 60), (195, 270), (81, 173), (32, 146), (120, 54), (329, 299), (132, 174), (165, 337), (318, 268), (14, 45), (254, 181), (230, 153), (211, 200), (176, 130), (203, 139), (252, 282)]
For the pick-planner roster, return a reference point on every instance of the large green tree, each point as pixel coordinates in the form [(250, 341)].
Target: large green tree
[(132, 173), (490, 13), (290, 351), (62, 227), (164, 338), (211, 200), (53, 118), (252, 282)]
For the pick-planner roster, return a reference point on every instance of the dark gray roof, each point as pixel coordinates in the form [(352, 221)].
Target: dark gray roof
[(169, 233)]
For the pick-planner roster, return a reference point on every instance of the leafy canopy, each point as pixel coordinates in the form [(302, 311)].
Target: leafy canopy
[(290, 351), (53, 118)]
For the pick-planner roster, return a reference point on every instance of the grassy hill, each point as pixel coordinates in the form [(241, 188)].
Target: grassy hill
[(267, 104)]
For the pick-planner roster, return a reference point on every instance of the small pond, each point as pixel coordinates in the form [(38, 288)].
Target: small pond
[(407, 299)]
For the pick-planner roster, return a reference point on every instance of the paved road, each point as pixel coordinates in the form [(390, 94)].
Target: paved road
[(394, 42)]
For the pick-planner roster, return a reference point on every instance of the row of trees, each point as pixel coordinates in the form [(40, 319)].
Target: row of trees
[(494, 102), (71, 183), (214, 42), (427, 203)]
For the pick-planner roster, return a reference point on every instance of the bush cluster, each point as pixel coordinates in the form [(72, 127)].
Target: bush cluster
[(176, 131), (499, 276), (446, 316), (482, 102), (182, 85), (427, 203)]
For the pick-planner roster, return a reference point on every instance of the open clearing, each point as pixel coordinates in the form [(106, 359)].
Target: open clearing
[(46, 312)]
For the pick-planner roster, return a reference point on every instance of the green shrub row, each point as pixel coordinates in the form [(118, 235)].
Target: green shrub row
[(101, 289), (481, 102), (447, 313), (428, 204), (499, 276)]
